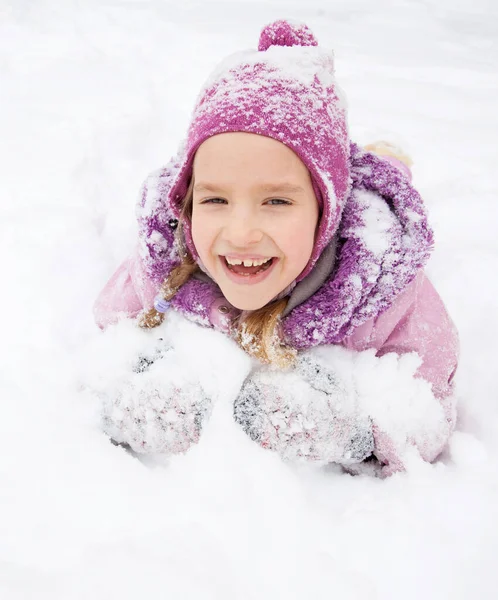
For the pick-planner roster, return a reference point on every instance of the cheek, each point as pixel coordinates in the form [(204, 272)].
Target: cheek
[(201, 234), (298, 240)]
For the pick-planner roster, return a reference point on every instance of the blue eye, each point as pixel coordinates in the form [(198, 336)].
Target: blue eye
[(214, 201), (278, 202)]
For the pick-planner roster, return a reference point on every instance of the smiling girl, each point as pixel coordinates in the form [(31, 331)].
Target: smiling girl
[(271, 226), (254, 216)]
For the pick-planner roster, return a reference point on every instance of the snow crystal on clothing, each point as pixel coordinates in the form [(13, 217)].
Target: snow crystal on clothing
[(157, 406), (157, 223), (305, 414), (299, 62), (377, 219)]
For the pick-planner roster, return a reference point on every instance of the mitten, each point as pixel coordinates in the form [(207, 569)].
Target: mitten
[(158, 407), (304, 414)]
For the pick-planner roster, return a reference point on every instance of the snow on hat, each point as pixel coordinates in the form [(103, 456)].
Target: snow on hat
[(285, 90)]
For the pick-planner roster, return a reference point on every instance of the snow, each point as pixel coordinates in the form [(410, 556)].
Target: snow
[(96, 95), (377, 220), (305, 63)]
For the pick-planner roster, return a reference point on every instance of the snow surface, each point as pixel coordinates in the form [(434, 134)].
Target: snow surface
[(93, 97)]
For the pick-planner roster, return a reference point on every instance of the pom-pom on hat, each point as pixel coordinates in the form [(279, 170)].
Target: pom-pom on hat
[(286, 90), (282, 33)]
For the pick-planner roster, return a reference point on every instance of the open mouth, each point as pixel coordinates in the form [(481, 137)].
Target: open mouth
[(246, 268)]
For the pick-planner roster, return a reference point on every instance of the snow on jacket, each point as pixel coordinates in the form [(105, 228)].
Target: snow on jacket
[(369, 292)]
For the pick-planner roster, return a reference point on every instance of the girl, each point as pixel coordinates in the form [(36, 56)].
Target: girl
[(270, 225)]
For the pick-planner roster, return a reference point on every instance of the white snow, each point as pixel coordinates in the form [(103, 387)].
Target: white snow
[(93, 97), (377, 219)]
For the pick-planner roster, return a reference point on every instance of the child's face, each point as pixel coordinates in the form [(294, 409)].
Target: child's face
[(253, 203)]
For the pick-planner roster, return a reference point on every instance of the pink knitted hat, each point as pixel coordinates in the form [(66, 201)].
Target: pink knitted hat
[(285, 90)]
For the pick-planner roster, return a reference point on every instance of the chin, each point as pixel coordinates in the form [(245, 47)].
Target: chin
[(246, 303)]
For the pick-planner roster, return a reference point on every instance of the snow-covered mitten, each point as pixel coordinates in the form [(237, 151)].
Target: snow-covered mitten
[(158, 407), (304, 414)]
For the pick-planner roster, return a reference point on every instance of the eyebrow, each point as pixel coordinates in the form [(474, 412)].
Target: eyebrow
[(270, 188)]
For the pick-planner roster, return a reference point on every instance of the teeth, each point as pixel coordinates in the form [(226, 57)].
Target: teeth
[(247, 263)]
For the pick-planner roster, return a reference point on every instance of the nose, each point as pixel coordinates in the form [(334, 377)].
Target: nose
[(242, 228)]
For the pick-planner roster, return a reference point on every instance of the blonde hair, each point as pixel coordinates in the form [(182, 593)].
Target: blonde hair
[(383, 148), (258, 332), (260, 336)]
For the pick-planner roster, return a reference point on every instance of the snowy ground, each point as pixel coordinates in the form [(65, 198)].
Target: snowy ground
[(93, 96)]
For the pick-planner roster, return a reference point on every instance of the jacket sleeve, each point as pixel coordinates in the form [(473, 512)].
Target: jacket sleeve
[(126, 293), (416, 323)]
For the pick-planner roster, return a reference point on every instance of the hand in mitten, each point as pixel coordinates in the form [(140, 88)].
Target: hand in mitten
[(305, 413), (158, 407)]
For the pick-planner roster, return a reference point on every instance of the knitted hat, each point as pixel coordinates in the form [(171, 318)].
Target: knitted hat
[(285, 90)]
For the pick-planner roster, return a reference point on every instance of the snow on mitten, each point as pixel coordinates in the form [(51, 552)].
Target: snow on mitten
[(304, 414), (158, 408)]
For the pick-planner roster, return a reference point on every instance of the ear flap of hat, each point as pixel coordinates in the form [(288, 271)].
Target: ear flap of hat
[(158, 222)]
